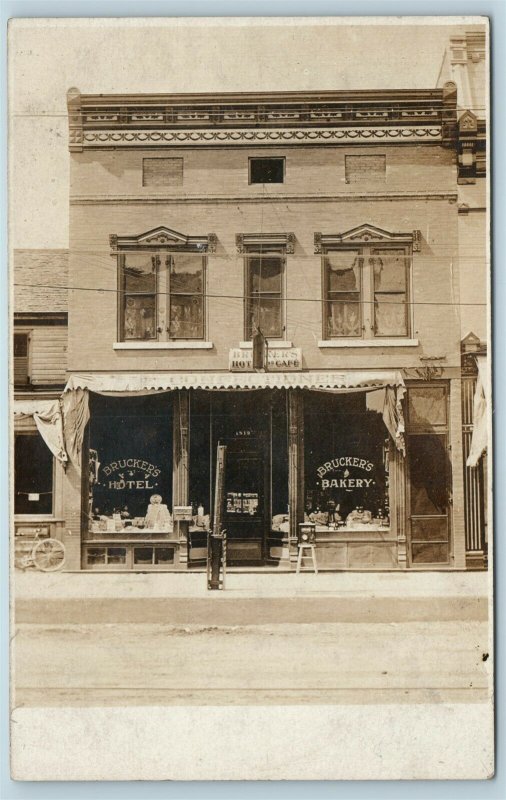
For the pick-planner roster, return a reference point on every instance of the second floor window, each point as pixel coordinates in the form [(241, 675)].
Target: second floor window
[(162, 296), (366, 292), (264, 291)]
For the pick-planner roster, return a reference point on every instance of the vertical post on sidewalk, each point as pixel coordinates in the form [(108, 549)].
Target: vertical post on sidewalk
[(216, 542)]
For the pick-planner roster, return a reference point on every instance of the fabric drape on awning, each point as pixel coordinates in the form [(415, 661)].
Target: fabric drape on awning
[(393, 415), (47, 416), (479, 438), (76, 414), (160, 382), (76, 407)]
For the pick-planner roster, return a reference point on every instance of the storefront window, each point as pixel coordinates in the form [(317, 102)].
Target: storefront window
[(347, 454), (33, 475), (264, 288), (130, 467)]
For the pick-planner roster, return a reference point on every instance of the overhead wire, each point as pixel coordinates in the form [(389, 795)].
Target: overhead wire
[(240, 297)]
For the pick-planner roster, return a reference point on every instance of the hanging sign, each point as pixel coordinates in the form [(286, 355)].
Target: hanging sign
[(279, 359)]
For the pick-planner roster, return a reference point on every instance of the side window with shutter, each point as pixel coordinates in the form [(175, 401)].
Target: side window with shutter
[(21, 350)]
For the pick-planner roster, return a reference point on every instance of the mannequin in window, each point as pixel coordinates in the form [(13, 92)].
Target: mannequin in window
[(158, 515)]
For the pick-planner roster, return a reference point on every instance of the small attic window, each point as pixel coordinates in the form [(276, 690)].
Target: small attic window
[(267, 170)]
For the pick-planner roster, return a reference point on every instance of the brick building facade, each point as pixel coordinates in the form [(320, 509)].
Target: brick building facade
[(280, 273)]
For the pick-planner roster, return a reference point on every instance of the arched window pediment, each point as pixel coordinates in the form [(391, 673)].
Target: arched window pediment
[(365, 234), (163, 237)]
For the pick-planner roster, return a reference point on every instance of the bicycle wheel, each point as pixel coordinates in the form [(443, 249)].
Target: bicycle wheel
[(48, 555)]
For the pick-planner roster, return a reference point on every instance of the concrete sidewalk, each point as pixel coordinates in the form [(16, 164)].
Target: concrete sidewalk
[(250, 598), (387, 639), (85, 585)]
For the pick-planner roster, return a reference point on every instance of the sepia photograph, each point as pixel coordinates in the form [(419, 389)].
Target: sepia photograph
[(250, 399)]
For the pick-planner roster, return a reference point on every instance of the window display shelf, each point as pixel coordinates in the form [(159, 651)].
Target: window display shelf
[(122, 537), (370, 534)]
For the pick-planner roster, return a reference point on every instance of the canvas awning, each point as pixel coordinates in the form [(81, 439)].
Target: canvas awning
[(47, 416), (162, 382), (479, 438), (76, 401)]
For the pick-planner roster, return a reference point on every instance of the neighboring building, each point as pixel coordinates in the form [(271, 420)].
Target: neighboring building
[(327, 224), (38, 373), (465, 63)]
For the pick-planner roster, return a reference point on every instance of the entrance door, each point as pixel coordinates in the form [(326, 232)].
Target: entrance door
[(246, 498)]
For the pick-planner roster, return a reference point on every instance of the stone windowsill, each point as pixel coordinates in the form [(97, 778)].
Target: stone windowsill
[(188, 344), (272, 344), (337, 343)]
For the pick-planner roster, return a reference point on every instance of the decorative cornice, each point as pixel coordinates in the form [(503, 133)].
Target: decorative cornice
[(235, 137), (270, 118), (244, 241), (165, 238), (364, 234)]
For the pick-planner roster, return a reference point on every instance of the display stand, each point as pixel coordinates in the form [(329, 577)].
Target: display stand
[(301, 556), (306, 542)]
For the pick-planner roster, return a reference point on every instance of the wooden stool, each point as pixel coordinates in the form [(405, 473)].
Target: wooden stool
[(301, 556)]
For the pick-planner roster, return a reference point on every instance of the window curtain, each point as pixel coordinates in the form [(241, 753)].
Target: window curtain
[(47, 416)]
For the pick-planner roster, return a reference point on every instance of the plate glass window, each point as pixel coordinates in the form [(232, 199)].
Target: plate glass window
[(267, 170)]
